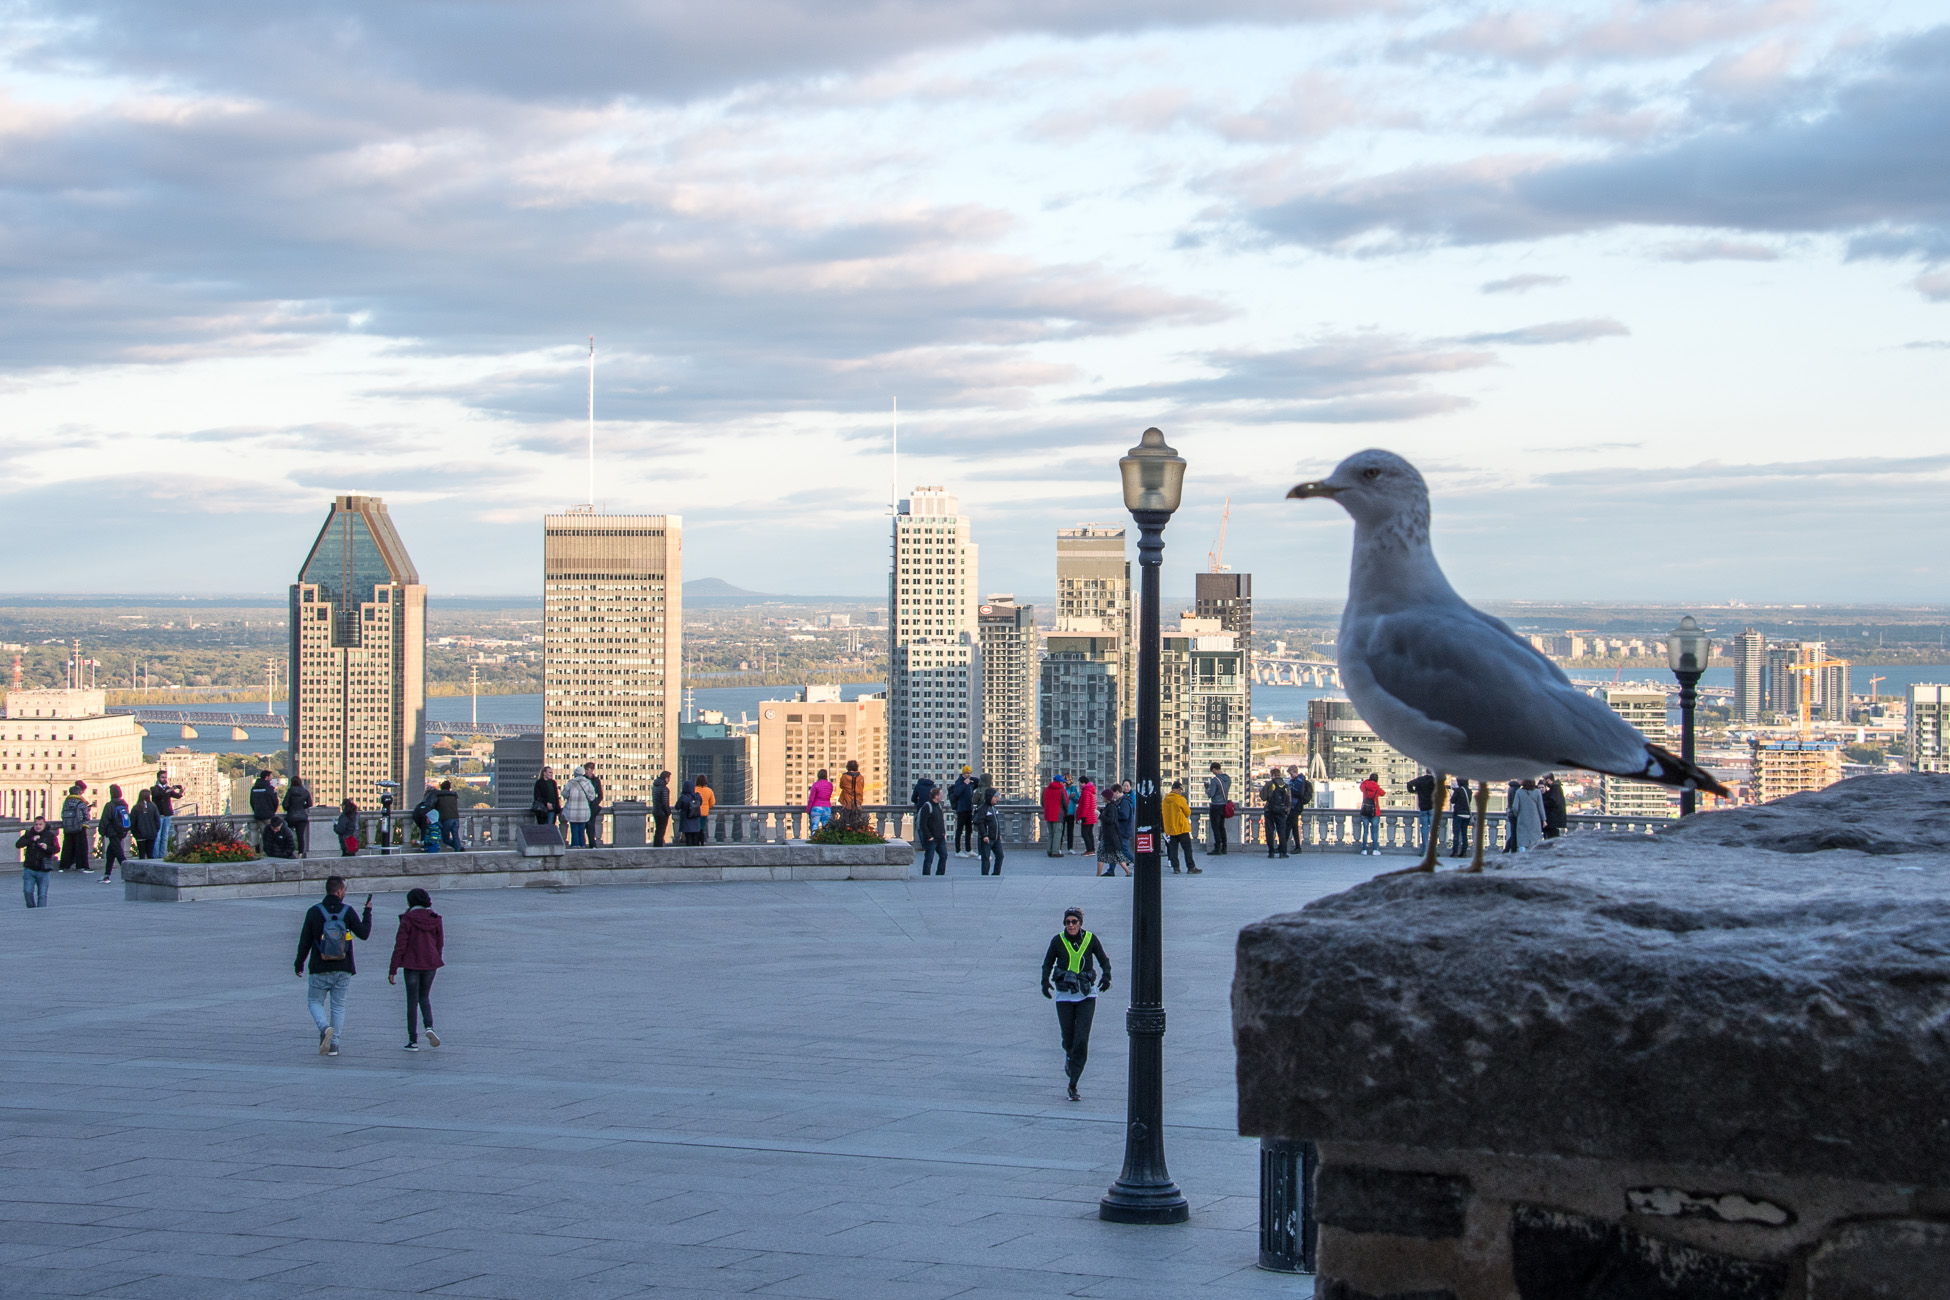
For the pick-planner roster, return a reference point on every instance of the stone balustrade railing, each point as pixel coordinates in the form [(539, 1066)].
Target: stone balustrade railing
[(1023, 826)]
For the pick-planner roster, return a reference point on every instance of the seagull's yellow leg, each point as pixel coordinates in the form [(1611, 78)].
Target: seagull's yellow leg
[(1482, 806), (1427, 864)]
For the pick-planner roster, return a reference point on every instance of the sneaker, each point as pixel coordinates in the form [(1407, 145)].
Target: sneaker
[(412, 1047), (433, 1039), (106, 879), (325, 1047), (332, 1050), (1197, 871), (1074, 1094)]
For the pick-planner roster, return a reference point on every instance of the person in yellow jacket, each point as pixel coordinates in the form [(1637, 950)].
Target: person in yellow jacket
[(1178, 828)]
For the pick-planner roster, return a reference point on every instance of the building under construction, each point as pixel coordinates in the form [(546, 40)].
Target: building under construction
[(1785, 767)]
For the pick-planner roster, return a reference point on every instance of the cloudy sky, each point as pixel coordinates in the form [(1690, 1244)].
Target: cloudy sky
[(1656, 294)]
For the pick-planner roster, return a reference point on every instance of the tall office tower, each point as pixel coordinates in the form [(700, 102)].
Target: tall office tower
[(1749, 675), (1011, 739), (358, 660), (1093, 594), (1618, 797), (934, 659), (725, 757), (1928, 728), (612, 646), (1202, 707), (1228, 597), (1080, 694), (797, 737)]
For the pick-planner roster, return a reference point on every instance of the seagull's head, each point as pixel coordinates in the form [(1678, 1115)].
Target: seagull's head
[(1374, 486)]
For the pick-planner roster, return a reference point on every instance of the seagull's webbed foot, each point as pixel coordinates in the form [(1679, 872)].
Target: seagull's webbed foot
[(1427, 865), (1482, 807)]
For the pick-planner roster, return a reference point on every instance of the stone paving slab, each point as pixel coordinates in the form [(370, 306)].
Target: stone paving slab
[(819, 1090)]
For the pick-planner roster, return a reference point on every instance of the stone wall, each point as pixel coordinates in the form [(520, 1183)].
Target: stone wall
[(151, 881), (1666, 1066)]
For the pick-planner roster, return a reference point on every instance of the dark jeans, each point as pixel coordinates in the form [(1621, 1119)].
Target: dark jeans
[(33, 884), (964, 831), (449, 835), (1177, 842), (419, 1003), (1090, 837), (1054, 846), (991, 849), (1293, 830), (112, 853), (74, 850), (1069, 830), (1276, 837), (595, 831), (1458, 834), (1074, 1018), (934, 849), (663, 824), (1217, 812)]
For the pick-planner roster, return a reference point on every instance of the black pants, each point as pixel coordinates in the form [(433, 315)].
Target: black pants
[(545, 817), (1217, 812), (146, 848), (1293, 831), (1177, 842), (1458, 834), (1090, 837), (663, 825), (419, 1001), (594, 832), (112, 853), (964, 831), (1276, 837), (1074, 1019), (991, 849), (1069, 830), (301, 832), (74, 850)]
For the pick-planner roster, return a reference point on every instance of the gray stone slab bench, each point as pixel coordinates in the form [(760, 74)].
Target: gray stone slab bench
[(172, 882), (1649, 1067)]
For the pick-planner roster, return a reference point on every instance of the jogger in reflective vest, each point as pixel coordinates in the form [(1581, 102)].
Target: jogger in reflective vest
[(1071, 963)]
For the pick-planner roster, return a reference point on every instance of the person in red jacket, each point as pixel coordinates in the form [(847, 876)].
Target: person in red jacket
[(1371, 797), (1056, 796), (416, 950), (1087, 814)]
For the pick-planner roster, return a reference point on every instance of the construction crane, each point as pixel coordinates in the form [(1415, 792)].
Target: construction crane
[(1216, 557), (1807, 663), (1872, 687)]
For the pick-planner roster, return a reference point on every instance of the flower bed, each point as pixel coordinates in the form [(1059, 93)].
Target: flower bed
[(215, 842), (834, 833)]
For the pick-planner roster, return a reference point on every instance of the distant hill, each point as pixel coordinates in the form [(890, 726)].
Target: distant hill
[(716, 591), (719, 589)]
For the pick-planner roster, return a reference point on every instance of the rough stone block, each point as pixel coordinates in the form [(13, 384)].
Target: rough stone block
[(1557, 1255), (1884, 1259), (1364, 1199)]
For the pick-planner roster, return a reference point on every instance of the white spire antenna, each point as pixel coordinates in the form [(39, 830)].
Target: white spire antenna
[(592, 421), (894, 479)]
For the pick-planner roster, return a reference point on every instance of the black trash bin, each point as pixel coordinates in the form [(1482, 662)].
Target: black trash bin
[(1287, 1233)]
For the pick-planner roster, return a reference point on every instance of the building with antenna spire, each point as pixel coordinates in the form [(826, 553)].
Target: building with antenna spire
[(934, 651)]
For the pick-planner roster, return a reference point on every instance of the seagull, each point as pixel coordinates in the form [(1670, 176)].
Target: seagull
[(1445, 683)]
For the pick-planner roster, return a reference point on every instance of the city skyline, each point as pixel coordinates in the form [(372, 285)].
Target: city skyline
[(1280, 234)]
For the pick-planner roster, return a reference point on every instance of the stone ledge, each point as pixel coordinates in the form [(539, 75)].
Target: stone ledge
[(153, 881)]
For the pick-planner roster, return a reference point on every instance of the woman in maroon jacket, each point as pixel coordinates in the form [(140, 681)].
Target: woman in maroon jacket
[(416, 950)]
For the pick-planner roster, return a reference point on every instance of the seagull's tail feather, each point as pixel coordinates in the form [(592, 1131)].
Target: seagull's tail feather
[(1663, 767)]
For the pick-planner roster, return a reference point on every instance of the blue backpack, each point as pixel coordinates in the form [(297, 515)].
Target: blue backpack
[(334, 940)]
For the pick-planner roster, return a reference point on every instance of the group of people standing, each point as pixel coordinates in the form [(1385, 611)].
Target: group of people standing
[(978, 823), (578, 805), (45, 849)]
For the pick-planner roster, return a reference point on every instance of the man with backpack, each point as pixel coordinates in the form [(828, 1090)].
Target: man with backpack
[(1278, 802), (264, 803), (325, 954), (1300, 793), (114, 832), (74, 828)]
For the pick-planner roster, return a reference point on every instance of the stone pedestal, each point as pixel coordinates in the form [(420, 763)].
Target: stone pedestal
[(1647, 1067), (626, 818)]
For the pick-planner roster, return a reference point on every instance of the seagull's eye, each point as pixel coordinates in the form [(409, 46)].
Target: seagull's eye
[(1371, 474)]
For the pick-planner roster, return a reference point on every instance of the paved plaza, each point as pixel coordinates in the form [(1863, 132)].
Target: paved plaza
[(847, 1090)]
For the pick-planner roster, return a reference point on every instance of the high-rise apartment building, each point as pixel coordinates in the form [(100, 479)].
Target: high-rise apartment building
[(1827, 687), (1011, 734), (1093, 594), (1785, 767), (1228, 598), (1080, 696), (934, 656), (358, 677), (797, 737), (1617, 796), (1202, 685), (1749, 675), (1342, 747), (612, 646), (201, 781), (1928, 738), (51, 739)]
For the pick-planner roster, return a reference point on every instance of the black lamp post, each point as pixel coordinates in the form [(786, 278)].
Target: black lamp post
[(1687, 650), (1154, 478)]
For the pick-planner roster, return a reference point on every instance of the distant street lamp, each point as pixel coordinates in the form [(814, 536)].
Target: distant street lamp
[(1154, 479), (1687, 650)]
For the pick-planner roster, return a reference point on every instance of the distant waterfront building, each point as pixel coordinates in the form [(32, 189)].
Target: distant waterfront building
[(726, 758), (612, 646), (51, 739), (1202, 694), (1228, 598), (358, 621), (1785, 767), (1618, 796), (517, 763), (797, 737), (1011, 680), (1928, 729), (934, 657), (1080, 696), (1342, 747), (1093, 594), (197, 773), (1749, 675)]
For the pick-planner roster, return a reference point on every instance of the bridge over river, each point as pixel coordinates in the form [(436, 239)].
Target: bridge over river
[(242, 724)]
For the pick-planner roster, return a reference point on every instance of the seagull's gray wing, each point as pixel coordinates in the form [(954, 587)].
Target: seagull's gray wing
[(1464, 669)]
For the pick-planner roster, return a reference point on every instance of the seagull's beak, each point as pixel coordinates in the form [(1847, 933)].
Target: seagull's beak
[(1318, 488)]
